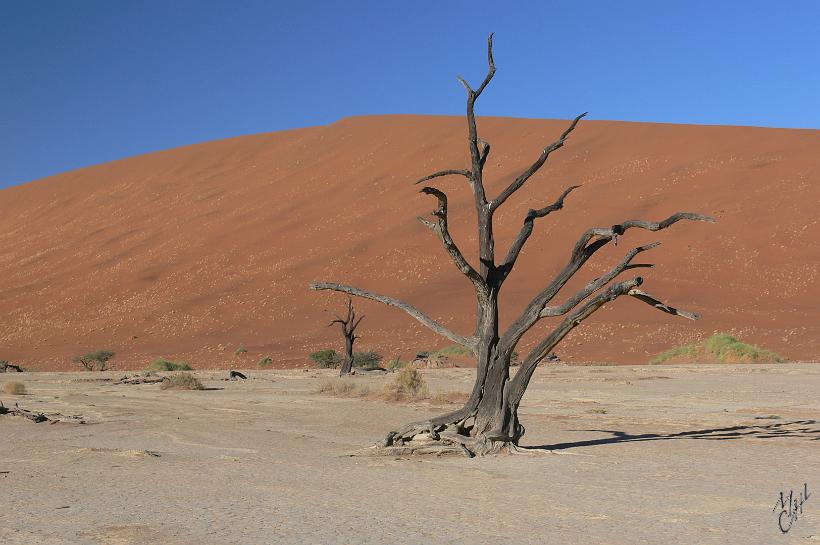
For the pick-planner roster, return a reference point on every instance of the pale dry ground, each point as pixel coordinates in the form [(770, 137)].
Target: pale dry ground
[(680, 455)]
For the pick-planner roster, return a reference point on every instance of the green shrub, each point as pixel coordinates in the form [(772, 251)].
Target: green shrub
[(239, 351), (687, 351), (726, 348), (720, 347), (326, 359), (367, 360), (264, 362), (94, 360), (450, 351), (162, 364), (182, 381)]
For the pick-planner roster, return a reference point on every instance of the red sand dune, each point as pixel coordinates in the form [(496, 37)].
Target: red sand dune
[(191, 252)]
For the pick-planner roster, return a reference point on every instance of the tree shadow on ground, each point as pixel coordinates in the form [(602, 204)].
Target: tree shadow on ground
[(801, 429)]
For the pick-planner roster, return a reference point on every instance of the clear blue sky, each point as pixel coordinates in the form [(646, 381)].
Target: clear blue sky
[(84, 82)]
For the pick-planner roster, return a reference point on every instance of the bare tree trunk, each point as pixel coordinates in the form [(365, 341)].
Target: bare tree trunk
[(348, 325), (488, 422), (347, 363)]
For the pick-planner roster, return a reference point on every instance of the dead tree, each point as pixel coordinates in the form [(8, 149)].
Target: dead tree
[(348, 325), (488, 422)]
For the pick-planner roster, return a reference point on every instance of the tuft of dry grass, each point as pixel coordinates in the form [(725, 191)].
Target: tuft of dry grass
[(343, 387), (409, 385), (14, 388), (182, 381)]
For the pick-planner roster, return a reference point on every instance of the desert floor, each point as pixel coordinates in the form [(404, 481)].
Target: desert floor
[(661, 454)]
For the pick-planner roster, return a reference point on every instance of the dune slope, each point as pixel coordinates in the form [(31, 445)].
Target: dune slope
[(192, 252)]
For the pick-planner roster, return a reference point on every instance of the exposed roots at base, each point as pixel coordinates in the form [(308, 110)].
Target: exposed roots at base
[(446, 446)]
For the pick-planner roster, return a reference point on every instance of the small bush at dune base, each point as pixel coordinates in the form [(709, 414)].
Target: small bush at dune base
[(719, 348), (14, 388), (168, 365), (264, 362), (454, 350), (98, 360), (326, 359), (367, 360), (182, 381)]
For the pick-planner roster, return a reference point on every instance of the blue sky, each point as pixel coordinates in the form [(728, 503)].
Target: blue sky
[(90, 81)]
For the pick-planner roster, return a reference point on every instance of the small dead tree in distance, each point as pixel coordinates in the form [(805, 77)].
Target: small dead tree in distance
[(348, 325), (488, 421)]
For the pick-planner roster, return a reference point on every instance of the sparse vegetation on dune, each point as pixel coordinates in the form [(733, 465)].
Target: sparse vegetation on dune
[(720, 348), (182, 381), (162, 364), (239, 351), (264, 362), (14, 388)]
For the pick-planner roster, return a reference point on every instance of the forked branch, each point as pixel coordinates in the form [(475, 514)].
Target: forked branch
[(524, 176), (595, 284), (629, 287), (469, 342), (663, 307), (442, 230), (441, 173), (612, 233), (526, 231), (590, 242)]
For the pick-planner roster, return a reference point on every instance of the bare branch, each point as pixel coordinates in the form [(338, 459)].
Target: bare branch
[(649, 300), (595, 284), (469, 342), (444, 234), (483, 153), (612, 233), (490, 65), (356, 323), (526, 231), (583, 250), (440, 173), (522, 377), (524, 176)]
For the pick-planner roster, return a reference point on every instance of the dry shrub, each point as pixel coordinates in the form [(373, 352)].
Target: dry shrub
[(182, 381), (14, 388), (409, 383), (343, 388)]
